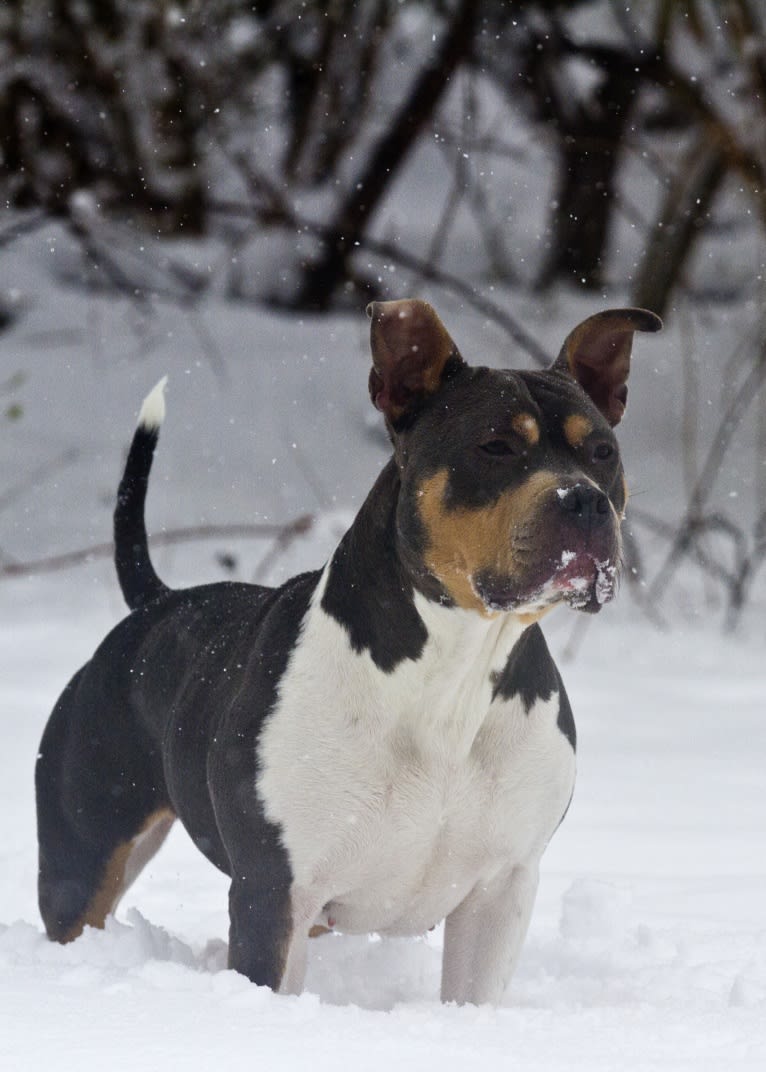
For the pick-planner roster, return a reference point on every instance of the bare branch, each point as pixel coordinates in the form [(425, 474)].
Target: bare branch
[(27, 224), (731, 420), (282, 534)]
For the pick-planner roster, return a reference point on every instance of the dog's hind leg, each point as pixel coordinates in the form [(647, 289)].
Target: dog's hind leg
[(81, 884), (100, 814)]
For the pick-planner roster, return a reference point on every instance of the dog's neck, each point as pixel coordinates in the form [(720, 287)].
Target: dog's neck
[(464, 636), (373, 594)]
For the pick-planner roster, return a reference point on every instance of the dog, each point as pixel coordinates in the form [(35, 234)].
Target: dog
[(382, 744)]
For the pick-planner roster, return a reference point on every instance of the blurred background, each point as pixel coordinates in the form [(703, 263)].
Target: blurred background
[(216, 188)]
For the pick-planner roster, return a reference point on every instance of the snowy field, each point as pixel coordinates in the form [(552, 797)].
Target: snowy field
[(647, 948)]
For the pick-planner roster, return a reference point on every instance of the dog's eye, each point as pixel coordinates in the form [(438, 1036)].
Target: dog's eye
[(602, 452), (498, 448)]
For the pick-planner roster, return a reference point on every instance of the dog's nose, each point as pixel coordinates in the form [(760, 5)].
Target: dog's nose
[(586, 506)]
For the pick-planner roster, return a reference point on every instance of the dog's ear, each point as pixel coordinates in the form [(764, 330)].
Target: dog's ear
[(412, 353), (597, 354)]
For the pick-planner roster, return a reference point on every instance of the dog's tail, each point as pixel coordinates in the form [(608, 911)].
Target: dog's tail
[(138, 581)]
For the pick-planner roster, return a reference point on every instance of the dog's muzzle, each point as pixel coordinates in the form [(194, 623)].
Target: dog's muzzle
[(576, 557)]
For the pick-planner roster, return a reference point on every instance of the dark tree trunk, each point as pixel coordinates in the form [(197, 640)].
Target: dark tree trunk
[(330, 87), (324, 276), (590, 136)]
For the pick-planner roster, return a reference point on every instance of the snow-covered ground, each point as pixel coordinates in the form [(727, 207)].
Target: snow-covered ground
[(647, 948)]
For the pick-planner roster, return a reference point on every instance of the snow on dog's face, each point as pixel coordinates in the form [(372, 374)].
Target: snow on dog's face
[(512, 489)]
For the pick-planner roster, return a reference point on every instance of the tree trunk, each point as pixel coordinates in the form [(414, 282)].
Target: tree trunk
[(322, 277), (590, 136)]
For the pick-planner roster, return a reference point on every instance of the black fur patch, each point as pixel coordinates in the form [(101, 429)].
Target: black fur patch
[(531, 673), (368, 591)]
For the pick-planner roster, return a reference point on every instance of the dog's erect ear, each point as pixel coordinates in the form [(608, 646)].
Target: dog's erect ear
[(411, 353), (597, 354)]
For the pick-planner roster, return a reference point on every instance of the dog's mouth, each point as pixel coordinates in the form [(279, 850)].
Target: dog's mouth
[(578, 579)]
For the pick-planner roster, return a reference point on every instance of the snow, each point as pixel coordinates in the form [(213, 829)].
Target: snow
[(647, 940), (647, 948)]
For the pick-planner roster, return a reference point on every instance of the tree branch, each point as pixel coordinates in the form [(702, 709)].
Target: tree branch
[(281, 534)]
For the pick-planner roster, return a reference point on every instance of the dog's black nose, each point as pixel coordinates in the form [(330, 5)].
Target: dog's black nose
[(586, 506)]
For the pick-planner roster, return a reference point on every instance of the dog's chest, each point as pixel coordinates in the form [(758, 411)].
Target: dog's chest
[(396, 793)]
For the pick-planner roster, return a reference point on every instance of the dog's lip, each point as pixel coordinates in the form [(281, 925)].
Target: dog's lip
[(586, 581), (577, 578)]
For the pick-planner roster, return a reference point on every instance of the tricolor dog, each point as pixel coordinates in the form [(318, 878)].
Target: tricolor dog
[(384, 743)]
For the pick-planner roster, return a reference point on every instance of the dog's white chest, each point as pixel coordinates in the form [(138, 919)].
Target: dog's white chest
[(397, 793)]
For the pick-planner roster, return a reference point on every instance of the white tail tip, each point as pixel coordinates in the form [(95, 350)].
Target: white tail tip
[(153, 409)]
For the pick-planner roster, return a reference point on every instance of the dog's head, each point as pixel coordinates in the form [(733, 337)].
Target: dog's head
[(512, 489)]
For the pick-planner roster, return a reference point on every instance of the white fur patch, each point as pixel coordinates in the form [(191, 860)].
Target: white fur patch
[(153, 408), (398, 793)]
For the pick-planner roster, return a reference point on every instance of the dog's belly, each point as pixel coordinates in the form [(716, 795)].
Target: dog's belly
[(399, 908), (412, 875)]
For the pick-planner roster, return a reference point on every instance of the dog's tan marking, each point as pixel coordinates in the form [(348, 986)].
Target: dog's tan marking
[(462, 542), (124, 866), (318, 930), (534, 616), (577, 428), (525, 425)]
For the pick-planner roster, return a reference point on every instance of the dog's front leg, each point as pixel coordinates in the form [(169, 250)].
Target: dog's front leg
[(305, 909), (260, 930), (483, 936), (268, 926), (269, 932)]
